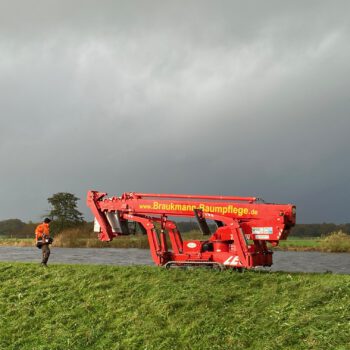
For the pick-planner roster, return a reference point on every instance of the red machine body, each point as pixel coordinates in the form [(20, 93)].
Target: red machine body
[(244, 226)]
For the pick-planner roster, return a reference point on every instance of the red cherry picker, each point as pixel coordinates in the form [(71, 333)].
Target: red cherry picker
[(244, 226)]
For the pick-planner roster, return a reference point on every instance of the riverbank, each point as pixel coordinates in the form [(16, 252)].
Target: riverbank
[(100, 307)]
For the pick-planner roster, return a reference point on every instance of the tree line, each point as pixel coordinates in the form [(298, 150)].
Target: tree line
[(318, 230)]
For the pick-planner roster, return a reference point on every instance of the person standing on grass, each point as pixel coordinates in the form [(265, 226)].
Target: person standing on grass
[(43, 240)]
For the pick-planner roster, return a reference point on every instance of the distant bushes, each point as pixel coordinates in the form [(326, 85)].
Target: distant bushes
[(84, 237), (16, 228), (318, 230), (336, 242), (72, 237), (11, 226)]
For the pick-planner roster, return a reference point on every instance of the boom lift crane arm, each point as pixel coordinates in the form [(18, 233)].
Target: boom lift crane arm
[(245, 225)]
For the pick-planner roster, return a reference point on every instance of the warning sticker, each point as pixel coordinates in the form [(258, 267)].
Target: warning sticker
[(262, 230)]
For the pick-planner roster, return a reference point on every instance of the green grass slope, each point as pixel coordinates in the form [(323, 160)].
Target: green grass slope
[(103, 307)]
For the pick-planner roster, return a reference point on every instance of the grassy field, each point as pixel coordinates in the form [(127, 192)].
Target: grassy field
[(296, 243), (335, 242), (103, 307)]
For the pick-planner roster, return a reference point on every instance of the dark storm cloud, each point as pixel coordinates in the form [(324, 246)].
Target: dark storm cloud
[(223, 97)]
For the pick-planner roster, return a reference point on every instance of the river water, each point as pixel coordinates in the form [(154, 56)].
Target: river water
[(283, 261)]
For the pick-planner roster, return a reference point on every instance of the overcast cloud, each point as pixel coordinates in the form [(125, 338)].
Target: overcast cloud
[(211, 97)]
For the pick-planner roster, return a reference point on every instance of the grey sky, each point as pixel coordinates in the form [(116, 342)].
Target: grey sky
[(211, 97)]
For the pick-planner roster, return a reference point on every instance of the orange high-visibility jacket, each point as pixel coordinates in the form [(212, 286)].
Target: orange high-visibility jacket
[(42, 229)]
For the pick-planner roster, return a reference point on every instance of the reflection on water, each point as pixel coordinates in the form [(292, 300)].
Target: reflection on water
[(283, 261)]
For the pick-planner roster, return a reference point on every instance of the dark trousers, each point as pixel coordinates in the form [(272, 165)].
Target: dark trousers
[(46, 253)]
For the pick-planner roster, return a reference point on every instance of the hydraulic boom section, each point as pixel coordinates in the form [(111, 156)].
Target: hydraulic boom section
[(244, 225)]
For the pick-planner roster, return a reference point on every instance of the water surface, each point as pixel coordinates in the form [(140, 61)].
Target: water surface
[(283, 260)]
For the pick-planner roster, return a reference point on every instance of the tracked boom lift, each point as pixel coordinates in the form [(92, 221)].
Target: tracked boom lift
[(244, 226)]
